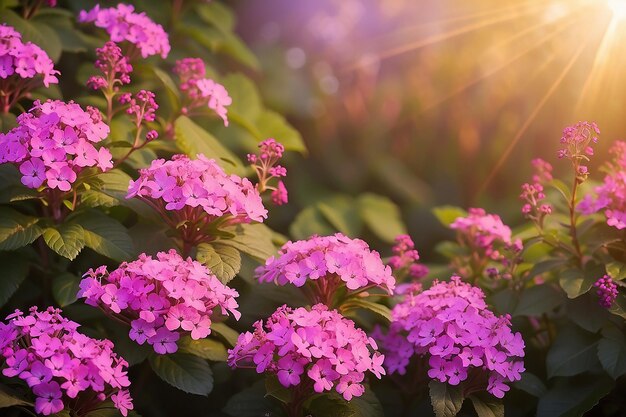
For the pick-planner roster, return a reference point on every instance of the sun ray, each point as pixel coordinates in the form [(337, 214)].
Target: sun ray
[(531, 117), (497, 68)]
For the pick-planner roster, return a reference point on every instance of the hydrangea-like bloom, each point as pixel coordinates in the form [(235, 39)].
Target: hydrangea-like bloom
[(327, 262), (123, 24), (201, 91), (607, 291), (21, 64), (160, 298), (405, 257), (61, 365), (198, 192), (266, 166), (54, 142), (318, 348), (484, 232), (450, 326), (610, 196)]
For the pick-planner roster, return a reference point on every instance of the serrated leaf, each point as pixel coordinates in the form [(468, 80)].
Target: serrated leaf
[(487, 405), (445, 399), (612, 351), (65, 239), (224, 261), (210, 349), (448, 214), (253, 239), (105, 235), (194, 140), (186, 372), (14, 271), (17, 230), (381, 215), (65, 288), (573, 352)]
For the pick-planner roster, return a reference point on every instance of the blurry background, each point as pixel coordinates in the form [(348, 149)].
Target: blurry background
[(436, 101)]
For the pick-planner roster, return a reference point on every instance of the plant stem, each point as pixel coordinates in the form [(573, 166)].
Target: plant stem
[(572, 220)]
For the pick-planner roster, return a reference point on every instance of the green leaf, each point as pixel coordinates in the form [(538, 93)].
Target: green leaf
[(169, 84), (186, 372), (224, 261), (341, 212), (17, 230), (228, 334), (105, 235), (576, 282), (273, 388), (247, 106), (210, 349), (194, 140), (65, 239), (546, 266), (445, 399), (619, 306), (253, 239), (381, 215), (36, 32), (448, 214), (334, 405), (573, 352), (531, 384), (586, 312), (487, 405), (218, 15), (563, 189), (14, 271), (537, 300), (612, 351), (379, 309), (573, 397), (616, 270), (9, 399), (250, 402), (308, 222), (65, 288), (274, 125)]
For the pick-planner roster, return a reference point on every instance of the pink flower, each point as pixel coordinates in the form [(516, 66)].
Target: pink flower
[(122, 401), (164, 341), (33, 172), (48, 398)]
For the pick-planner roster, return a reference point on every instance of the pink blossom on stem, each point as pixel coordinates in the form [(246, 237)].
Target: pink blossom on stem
[(607, 291)]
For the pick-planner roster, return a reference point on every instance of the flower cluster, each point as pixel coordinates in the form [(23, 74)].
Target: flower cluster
[(607, 291), (326, 263), (201, 91), (405, 257), (610, 196), (532, 194), (123, 24), (197, 192), (142, 106), (319, 344), (61, 365), (114, 66), (266, 166), (54, 142), (160, 298), (20, 65), (450, 326), (577, 143), (484, 232)]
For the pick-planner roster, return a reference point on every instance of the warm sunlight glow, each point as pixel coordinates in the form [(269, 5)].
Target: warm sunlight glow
[(618, 7)]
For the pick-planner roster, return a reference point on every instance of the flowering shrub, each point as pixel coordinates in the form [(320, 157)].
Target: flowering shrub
[(64, 368)]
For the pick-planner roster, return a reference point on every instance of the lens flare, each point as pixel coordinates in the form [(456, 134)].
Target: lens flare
[(618, 7)]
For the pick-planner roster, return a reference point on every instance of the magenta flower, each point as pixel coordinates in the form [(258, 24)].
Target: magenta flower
[(62, 366), (23, 67), (326, 263), (124, 25), (160, 298), (54, 142), (607, 291), (318, 348), (267, 169), (450, 327)]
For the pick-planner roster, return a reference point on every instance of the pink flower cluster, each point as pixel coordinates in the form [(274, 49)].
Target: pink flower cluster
[(123, 24), (198, 191), (326, 263), (577, 143), (25, 59), (484, 231), (319, 344), (114, 65), (532, 194), (201, 91), (54, 142), (160, 298), (451, 326), (61, 365), (21, 64), (142, 106), (405, 257), (607, 291), (610, 196), (266, 167)]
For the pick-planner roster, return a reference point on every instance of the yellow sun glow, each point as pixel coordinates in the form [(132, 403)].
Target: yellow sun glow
[(618, 7)]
